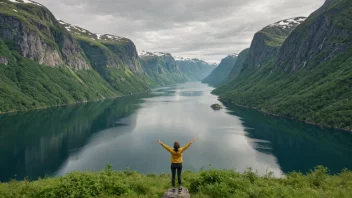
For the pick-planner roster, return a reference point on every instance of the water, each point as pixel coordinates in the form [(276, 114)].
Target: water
[(124, 133)]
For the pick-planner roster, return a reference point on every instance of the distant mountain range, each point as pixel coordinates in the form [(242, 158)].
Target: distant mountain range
[(298, 68), (219, 74), (45, 62), (194, 68)]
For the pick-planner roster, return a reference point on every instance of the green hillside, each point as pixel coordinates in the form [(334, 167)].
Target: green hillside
[(43, 63), (162, 68), (210, 183), (309, 77), (219, 74), (195, 69)]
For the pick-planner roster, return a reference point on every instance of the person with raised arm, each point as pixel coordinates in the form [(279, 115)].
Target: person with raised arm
[(176, 161)]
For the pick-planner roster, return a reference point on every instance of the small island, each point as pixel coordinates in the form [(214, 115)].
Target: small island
[(216, 107)]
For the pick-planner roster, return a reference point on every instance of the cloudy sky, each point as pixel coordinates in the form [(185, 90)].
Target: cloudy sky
[(205, 29)]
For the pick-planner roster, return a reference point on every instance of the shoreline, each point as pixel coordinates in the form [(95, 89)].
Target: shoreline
[(87, 101), (68, 104), (290, 118)]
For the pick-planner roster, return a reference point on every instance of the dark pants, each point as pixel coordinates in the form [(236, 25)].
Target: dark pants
[(174, 168)]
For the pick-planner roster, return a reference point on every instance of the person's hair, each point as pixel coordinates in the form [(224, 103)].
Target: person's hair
[(176, 146)]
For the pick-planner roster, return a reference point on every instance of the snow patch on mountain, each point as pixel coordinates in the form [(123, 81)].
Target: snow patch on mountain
[(289, 23), (112, 37), (93, 36), (26, 1), (144, 53), (233, 55), (195, 60), (98, 36)]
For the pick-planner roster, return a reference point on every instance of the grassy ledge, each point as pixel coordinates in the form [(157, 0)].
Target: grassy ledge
[(206, 183)]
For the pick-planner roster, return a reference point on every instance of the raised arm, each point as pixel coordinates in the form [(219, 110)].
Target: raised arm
[(166, 146), (185, 147)]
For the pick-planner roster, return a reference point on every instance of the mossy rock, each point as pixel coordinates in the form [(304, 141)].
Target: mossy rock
[(216, 106)]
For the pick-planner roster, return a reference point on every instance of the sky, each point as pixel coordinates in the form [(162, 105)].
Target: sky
[(204, 29)]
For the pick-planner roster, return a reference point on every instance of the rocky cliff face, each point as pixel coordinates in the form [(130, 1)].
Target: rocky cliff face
[(39, 40), (126, 51), (118, 51), (72, 53), (267, 42), (28, 42), (306, 76), (319, 40), (195, 69), (169, 62), (218, 76), (44, 63), (4, 60)]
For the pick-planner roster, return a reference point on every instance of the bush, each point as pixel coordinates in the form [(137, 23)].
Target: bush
[(211, 183)]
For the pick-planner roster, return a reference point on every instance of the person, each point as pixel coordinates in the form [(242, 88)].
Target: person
[(176, 161)]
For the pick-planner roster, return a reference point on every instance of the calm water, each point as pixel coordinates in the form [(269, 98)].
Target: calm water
[(123, 132)]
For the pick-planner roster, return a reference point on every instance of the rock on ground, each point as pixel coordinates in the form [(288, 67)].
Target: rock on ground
[(183, 194)]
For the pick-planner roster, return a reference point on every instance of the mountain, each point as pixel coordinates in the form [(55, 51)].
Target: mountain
[(114, 58), (194, 68), (161, 67), (241, 59), (44, 64), (220, 73), (307, 76)]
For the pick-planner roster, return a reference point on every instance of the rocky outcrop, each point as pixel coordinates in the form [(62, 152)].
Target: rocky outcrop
[(4, 60), (267, 42), (28, 42), (320, 35), (127, 52), (117, 51), (183, 194), (41, 40), (72, 53), (218, 76)]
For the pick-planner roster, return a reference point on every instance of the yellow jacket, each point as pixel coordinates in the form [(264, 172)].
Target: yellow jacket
[(176, 157)]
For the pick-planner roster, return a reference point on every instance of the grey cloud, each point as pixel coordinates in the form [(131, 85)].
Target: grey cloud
[(205, 29)]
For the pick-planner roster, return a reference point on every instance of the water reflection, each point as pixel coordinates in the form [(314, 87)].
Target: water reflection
[(296, 145), (123, 132), (36, 143)]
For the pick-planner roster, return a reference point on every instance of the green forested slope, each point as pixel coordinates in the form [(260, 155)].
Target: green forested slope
[(219, 74), (45, 62), (194, 68), (162, 68), (310, 77), (24, 84), (241, 59)]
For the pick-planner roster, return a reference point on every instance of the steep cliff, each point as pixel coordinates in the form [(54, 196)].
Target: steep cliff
[(114, 58), (121, 51), (43, 63), (195, 69), (218, 76), (241, 59), (309, 77), (33, 31), (267, 42), (161, 67)]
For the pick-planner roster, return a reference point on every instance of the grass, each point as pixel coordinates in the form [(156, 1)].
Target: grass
[(206, 183)]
